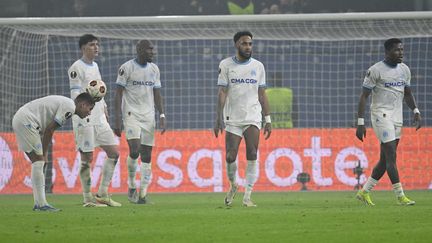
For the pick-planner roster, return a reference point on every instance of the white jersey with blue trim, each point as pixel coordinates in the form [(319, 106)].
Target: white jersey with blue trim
[(388, 85), (80, 74), (41, 112), (242, 106), (138, 82)]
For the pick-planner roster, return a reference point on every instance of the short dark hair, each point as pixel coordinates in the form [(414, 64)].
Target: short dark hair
[(242, 33), (84, 39), (84, 97), (388, 44)]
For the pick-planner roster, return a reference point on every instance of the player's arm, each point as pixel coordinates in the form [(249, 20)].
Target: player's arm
[(158, 100), (75, 82), (361, 130), (117, 110), (262, 97), (47, 137), (410, 101), (222, 95)]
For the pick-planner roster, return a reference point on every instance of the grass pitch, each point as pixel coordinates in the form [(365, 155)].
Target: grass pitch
[(279, 217)]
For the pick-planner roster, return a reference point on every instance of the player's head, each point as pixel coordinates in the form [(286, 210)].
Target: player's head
[(145, 51), (89, 45), (243, 44), (84, 103), (393, 50)]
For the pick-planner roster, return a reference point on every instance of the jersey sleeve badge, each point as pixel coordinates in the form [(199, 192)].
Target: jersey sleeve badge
[(121, 72), (68, 115), (73, 74)]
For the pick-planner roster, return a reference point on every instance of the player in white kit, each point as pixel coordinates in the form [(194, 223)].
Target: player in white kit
[(138, 92), (93, 131), (389, 83), (242, 97), (34, 125)]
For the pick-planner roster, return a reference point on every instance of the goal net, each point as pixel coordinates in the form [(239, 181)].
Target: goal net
[(319, 60)]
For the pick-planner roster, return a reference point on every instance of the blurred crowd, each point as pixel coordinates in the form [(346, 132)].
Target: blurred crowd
[(77, 8)]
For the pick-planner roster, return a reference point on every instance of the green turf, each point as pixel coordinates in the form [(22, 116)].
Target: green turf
[(279, 217)]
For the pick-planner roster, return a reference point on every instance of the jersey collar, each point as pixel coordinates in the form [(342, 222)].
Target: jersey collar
[(234, 58), (141, 65), (390, 64)]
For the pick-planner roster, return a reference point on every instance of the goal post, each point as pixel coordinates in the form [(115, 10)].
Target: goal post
[(321, 58)]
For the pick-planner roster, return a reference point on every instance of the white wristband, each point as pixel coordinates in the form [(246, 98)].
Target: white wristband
[(267, 119), (416, 111), (162, 115), (360, 121)]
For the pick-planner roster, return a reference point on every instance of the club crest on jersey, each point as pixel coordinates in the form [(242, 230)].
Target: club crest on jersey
[(253, 73), (73, 74), (121, 71)]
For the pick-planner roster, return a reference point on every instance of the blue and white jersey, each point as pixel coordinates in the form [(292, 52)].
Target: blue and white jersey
[(41, 112), (138, 82), (80, 74), (388, 85), (242, 106)]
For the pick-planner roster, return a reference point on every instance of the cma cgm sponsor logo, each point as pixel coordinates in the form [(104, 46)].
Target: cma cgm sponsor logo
[(147, 83), (243, 81), (395, 84)]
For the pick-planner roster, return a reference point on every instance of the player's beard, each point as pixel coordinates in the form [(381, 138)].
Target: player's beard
[(245, 55)]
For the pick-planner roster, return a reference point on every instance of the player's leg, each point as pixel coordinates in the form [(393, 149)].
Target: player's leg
[(251, 136), (85, 178), (104, 138), (377, 172), (29, 141), (392, 170), (147, 142), (133, 137), (233, 137), (146, 172), (84, 139), (132, 162)]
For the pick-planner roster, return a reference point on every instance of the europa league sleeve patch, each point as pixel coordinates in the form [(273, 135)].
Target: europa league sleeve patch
[(68, 115), (121, 71), (368, 73), (219, 71), (73, 74)]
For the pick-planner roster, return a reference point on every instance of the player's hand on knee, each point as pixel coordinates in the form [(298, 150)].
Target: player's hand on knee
[(267, 130), (361, 132)]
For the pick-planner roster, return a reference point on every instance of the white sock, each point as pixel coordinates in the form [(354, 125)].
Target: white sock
[(397, 188), (85, 180), (145, 178), (370, 183), (251, 178), (231, 172), (38, 183), (132, 167), (107, 173)]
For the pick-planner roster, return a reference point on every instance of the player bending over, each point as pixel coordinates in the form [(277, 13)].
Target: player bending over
[(34, 125)]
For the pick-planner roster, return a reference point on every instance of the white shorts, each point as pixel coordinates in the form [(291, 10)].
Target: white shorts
[(143, 130), (27, 134), (385, 129), (239, 130), (91, 136)]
